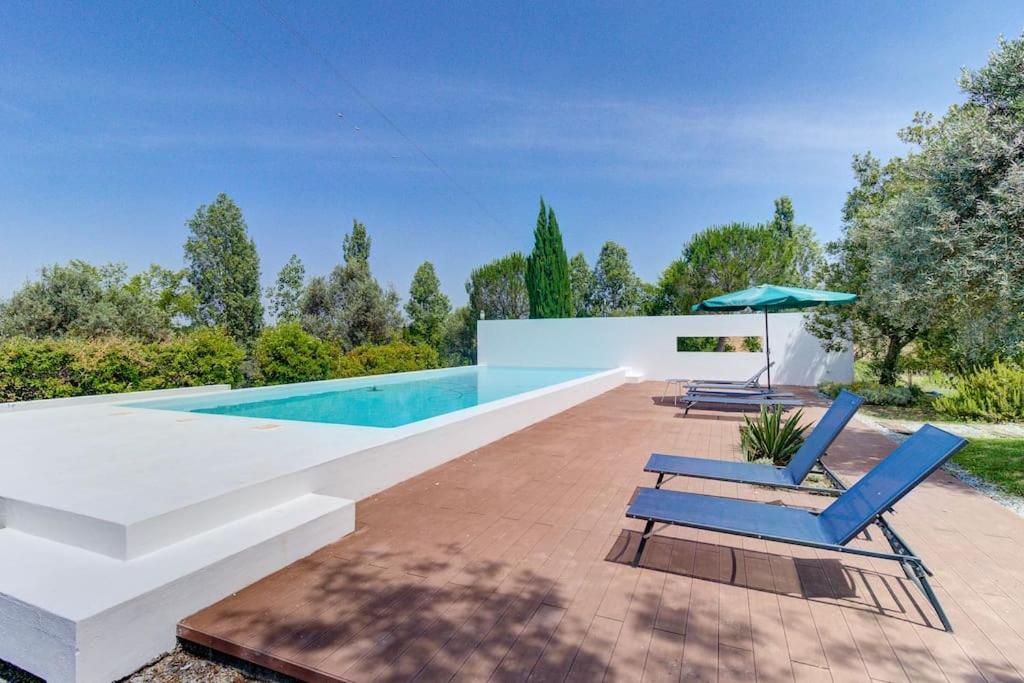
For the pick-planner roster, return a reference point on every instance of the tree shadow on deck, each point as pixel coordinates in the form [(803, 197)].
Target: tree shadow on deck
[(395, 616)]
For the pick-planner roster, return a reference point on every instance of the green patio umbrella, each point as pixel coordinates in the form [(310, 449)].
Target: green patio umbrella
[(773, 298)]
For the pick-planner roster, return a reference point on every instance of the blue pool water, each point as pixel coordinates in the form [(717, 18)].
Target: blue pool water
[(385, 401)]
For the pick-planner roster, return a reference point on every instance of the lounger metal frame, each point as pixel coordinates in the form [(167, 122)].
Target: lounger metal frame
[(771, 400), (846, 402), (913, 566), (754, 383)]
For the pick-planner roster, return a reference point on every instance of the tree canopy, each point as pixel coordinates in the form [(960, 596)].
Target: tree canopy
[(498, 289), (617, 289), (79, 299), (734, 256), (224, 269), (932, 241), (286, 294), (583, 285), (349, 306), (427, 308)]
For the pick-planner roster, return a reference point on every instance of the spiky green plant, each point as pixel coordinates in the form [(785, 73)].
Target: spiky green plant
[(769, 436)]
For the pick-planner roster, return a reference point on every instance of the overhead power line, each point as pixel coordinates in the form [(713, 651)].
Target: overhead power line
[(308, 45)]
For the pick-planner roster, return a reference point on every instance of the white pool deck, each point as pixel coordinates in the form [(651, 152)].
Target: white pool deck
[(124, 519)]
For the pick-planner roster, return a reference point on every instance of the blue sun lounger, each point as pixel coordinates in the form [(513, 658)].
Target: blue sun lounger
[(832, 528), (791, 476), (759, 399)]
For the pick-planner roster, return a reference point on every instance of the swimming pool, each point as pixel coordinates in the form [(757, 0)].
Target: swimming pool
[(385, 401)]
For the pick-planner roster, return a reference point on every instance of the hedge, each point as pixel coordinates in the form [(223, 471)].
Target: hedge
[(57, 368), (380, 359)]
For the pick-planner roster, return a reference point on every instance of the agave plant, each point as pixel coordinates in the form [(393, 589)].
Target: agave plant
[(769, 436)]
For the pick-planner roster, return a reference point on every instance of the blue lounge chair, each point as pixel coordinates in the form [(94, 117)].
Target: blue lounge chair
[(700, 385), (772, 399), (832, 528), (753, 383), (810, 454)]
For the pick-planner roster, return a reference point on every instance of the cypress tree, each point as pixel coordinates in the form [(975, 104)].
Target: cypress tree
[(547, 270)]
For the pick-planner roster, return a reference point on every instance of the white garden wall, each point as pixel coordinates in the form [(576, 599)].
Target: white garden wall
[(647, 345)]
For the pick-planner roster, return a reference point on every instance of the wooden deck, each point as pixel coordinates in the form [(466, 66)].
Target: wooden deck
[(510, 564)]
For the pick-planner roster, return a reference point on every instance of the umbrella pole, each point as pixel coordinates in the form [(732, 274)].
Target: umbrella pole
[(767, 351)]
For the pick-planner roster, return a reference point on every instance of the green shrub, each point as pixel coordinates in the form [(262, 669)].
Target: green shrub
[(696, 344), (287, 353), (995, 394), (769, 436), (752, 344), (875, 394), (380, 359), (33, 369), (58, 368), (203, 356), (109, 366)]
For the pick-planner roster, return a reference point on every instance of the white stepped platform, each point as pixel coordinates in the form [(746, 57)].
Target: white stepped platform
[(124, 519), (96, 618)]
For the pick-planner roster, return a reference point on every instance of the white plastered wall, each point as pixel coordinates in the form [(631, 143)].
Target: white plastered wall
[(647, 345)]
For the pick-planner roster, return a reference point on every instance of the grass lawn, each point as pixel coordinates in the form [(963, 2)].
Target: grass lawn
[(999, 461), (922, 412)]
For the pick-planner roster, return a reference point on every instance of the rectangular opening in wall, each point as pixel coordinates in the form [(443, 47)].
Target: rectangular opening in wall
[(726, 344)]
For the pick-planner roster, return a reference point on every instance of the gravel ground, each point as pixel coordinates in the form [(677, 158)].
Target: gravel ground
[(180, 666), (1015, 503), (1007, 500), (12, 674)]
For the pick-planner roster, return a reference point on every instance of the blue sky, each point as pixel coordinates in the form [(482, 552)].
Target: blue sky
[(639, 122)]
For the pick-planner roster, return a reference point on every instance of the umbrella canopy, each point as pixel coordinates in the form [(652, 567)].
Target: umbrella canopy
[(773, 298)]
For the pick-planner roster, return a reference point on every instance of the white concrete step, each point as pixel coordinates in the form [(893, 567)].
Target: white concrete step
[(68, 614)]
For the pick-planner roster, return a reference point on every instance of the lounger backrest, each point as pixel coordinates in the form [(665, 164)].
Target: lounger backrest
[(824, 433), (888, 481), (752, 382)]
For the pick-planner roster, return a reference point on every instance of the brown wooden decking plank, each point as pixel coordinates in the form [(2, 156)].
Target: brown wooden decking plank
[(376, 651), (735, 665), (801, 633), (675, 597), (500, 520), (341, 646), (564, 645), (630, 654), (768, 636), (415, 652), (519, 661), (417, 647), (878, 656), (664, 657), (700, 649), (492, 644), (733, 606), (290, 630), (591, 659), (913, 654), (985, 655), (805, 673), (528, 576), (844, 659)]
